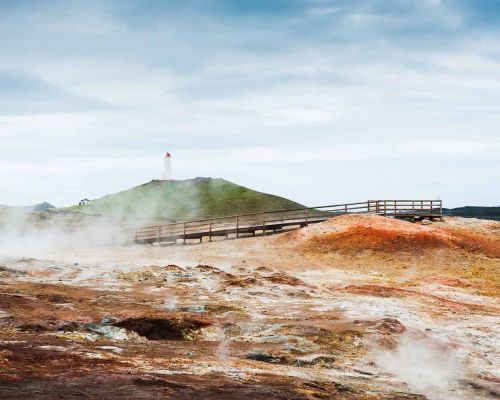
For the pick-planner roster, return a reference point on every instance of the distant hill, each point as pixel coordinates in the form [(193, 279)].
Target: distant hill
[(474, 212), (183, 200), (42, 206), (37, 207)]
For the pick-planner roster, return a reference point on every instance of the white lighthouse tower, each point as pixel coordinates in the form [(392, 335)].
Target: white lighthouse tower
[(167, 170)]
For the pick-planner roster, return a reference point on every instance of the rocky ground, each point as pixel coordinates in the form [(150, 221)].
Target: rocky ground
[(358, 307)]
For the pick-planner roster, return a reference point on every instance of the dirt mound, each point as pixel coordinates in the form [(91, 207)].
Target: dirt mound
[(384, 325), (353, 234), (474, 242), (285, 279)]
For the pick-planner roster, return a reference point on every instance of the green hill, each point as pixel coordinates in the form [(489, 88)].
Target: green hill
[(183, 200)]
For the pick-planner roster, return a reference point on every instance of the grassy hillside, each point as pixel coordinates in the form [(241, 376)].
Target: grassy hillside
[(184, 200)]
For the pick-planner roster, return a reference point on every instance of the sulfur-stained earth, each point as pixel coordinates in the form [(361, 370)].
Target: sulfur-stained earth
[(358, 307)]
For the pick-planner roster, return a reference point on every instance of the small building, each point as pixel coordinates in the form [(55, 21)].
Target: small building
[(84, 202)]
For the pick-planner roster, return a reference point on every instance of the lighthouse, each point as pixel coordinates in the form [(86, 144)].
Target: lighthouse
[(167, 170)]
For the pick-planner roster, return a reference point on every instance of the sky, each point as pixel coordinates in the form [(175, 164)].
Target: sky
[(320, 101)]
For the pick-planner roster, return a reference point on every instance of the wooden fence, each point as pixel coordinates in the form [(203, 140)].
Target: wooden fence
[(272, 221)]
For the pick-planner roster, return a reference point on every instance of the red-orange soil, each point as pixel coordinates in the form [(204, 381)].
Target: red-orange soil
[(353, 234), (358, 307)]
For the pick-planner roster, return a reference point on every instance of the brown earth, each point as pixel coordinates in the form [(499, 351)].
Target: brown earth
[(312, 313), (457, 249), (352, 234)]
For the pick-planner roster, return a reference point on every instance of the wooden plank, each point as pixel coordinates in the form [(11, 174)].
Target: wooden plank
[(277, 220)]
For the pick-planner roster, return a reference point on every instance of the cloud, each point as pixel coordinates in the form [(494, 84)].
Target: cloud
[(25, 93), (368, 88)]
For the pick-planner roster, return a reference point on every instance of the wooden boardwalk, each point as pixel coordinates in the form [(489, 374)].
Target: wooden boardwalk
[(274, 221)]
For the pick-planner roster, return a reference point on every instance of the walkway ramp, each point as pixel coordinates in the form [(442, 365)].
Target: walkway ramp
[(273, 221)]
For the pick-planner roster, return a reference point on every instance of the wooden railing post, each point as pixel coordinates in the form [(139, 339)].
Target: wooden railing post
[(399, 209)]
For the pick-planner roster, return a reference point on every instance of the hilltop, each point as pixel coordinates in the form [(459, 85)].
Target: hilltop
[(177, 200), (37, 207)]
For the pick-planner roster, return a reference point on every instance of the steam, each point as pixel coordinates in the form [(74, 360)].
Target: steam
[(171, 302), (428, 366), (41, 234), (222, 352)]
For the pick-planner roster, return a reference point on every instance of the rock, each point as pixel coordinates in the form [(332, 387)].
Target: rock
[(109, 320), (390, 325), (325, 360), (266, 357), (196, 309), (111, 332), (114, 349)]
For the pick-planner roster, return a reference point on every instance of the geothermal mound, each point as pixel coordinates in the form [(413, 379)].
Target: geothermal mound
[(352, 234)]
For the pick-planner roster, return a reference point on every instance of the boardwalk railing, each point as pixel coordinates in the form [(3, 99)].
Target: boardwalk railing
[(272, 221)]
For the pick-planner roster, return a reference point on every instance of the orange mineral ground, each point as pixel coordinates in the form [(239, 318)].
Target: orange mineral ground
[(357, 307)]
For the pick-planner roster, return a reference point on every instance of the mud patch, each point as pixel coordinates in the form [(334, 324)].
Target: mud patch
[(158, 382), (54, 298), (9, 272), (175, 328), (391, 291)]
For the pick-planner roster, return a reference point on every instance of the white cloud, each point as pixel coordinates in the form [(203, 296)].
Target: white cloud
[(252, 101)]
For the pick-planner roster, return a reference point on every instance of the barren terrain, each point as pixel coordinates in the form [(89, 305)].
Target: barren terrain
[(357, 307)]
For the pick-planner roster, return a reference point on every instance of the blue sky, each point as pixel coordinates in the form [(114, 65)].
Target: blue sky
[(321, 101)]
